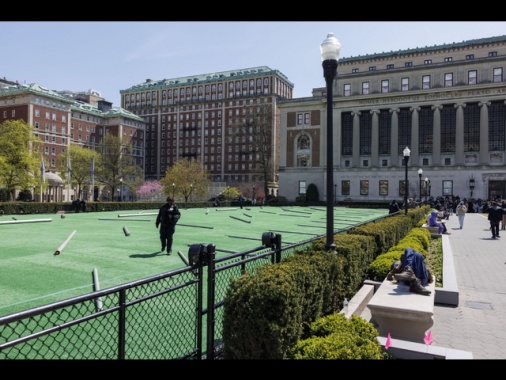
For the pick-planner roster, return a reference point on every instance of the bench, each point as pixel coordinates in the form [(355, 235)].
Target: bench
[(402, 314), (434, 231)]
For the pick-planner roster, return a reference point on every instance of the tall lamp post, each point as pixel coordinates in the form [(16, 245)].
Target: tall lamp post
[(406, 153), (420, 172), (120, 189), (426, 188), (329, 50), (173, 188)]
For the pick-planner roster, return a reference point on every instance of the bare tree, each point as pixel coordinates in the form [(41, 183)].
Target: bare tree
[(256, 131), (116, 166)]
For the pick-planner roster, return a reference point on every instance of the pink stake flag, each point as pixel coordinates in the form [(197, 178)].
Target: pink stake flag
[(388, 343), (428, 338)]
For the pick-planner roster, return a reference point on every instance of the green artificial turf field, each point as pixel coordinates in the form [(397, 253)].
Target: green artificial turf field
[(125, 246)]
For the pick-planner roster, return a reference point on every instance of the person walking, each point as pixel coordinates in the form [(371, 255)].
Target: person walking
[(503, 224), (460, 211), (168, 216), (495, 214)]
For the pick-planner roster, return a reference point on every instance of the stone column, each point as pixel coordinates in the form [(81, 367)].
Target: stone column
[(394, 136), (375, 139), (484, 154), (415, 136), (436, 136), (459, 134), (356, 139)]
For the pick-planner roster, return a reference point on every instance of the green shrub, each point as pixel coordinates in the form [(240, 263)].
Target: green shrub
[(337, 338)]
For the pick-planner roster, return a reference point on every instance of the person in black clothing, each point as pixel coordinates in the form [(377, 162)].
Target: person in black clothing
[(494, 217), (167, 218), (241, 200), (83, 205)]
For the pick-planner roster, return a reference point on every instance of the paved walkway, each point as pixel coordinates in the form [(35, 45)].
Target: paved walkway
[(477, 324)]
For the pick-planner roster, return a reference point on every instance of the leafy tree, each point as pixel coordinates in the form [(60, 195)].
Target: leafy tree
[(186, 177), (19, 157), (116, 166), (256, 130), (80, 166)]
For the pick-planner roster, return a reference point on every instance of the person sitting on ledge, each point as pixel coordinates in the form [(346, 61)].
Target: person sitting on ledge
[(411, 270), (432, 222)]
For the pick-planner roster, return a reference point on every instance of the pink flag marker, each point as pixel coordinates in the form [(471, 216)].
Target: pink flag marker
[(428, 338), (388, 343)]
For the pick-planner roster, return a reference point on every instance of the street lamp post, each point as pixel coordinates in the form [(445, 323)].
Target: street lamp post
[(335, 193), (173, 188), (426, 188), (121, 189), (329, 50), (420, 172), (254, 194), (406, 153)]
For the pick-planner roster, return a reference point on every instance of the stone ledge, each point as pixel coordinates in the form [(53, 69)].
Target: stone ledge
[(401, 313)]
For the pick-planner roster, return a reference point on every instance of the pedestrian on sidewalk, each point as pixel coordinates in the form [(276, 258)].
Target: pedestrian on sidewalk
[(495, 214), (503, 224), (460, 211)]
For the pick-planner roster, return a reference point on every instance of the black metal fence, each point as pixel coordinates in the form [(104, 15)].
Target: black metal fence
[(173, 315)]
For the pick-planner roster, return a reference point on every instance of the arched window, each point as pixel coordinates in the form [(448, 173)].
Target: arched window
[(303, 150)]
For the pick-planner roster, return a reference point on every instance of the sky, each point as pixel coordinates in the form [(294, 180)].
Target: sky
[(109, 56)]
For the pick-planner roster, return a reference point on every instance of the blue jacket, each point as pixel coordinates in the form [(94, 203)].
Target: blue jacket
[(416, 261)]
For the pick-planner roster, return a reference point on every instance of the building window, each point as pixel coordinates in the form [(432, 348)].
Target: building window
[(347, 163), (472, 128), (303, 151), (447, 187), (365, 128), (302, 187), (365, 88), (408, 64), (372, 68), (426, 82), (427, 62), (364, 187), (402, 187), (404, 84), (448, 161), (384, 163), (448, 59), (346, 133), (365, 163), (390, 66), (383, 187), (471, 76), (448, 79), (497, 75), (306, 118), (469, 56), (347, 90), (354, 71), (492, 54), (385, 86), (384, 131), (299, 119), (345, 187)]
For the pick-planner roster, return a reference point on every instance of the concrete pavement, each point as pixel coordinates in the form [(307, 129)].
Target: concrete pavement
[(477, 324), (475, 328)]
